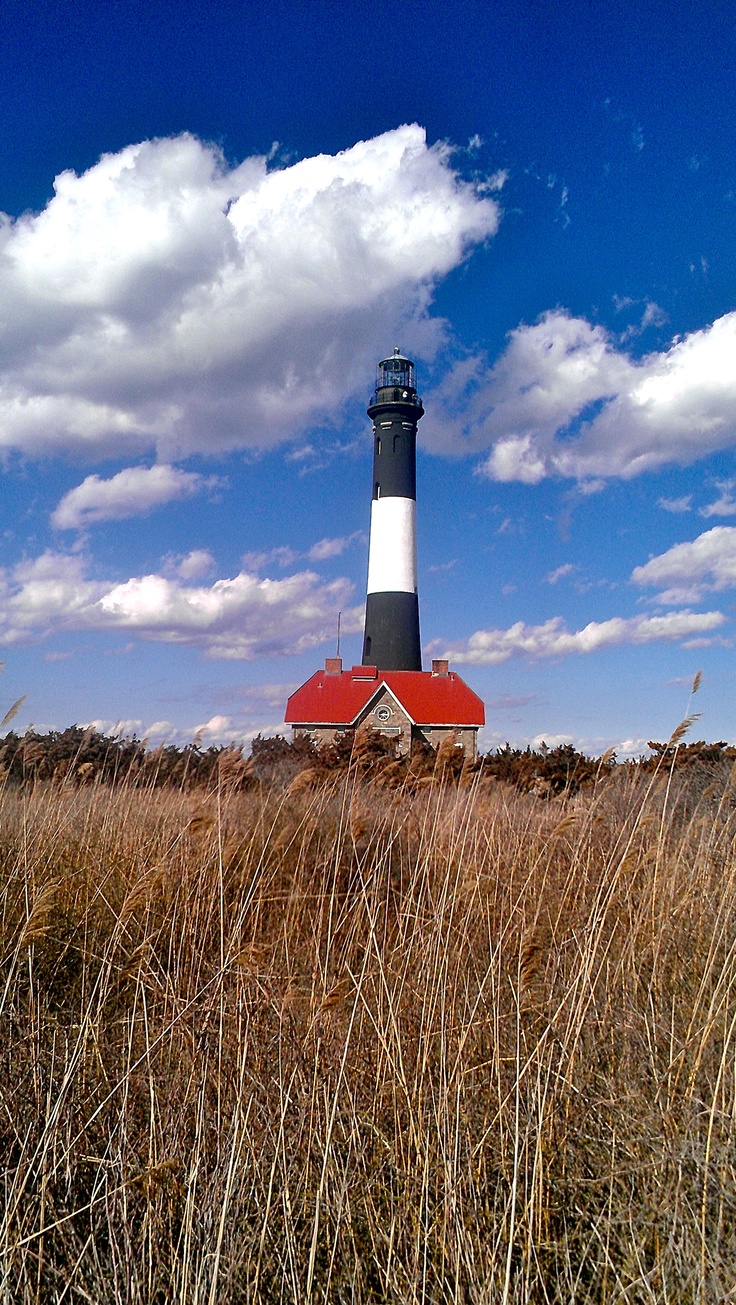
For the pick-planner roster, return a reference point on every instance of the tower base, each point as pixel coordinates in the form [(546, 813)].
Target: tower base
[(391, 640)]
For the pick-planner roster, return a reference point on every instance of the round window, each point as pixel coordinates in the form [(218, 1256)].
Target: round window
[(383, 713)]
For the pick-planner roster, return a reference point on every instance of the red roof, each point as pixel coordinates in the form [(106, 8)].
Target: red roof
[(427, 699)]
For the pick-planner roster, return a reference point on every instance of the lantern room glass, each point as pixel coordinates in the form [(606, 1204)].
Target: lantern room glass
[(395, 371)]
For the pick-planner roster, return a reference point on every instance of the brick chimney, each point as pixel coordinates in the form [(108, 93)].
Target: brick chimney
[(440, 666), (333, 665)]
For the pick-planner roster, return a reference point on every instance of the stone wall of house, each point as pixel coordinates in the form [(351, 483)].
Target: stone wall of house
[(396, 727), (467, 738)]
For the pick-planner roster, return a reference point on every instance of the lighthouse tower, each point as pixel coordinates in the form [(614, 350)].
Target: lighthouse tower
[(389, 693), (391, 640)]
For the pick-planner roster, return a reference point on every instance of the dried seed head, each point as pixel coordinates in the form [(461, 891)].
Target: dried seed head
[(37, 924), (678, 735), (201, 822), (13, 711), (305, 780), (533, 953), (336, 996)]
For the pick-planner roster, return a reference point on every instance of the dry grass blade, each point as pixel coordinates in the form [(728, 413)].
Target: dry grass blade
[(697, 681), (13, 711)]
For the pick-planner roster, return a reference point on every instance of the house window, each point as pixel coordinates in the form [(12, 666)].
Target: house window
[(383, 713)]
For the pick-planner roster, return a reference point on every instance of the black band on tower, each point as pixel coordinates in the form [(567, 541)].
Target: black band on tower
[(391, 639), (395, 458)]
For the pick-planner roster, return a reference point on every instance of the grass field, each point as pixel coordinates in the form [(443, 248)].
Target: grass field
[(335, 1041)]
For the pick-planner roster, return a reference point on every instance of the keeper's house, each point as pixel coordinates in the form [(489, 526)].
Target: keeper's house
[(401, 705)]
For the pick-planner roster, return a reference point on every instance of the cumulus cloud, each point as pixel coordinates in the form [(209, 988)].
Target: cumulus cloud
[(158, 729), (592, 747), (553, 639), (215, 725), (251, 709), (549, 740), (242, 617), (165, 298), (130, 493), (197, 563), (691, 570), (564, 399)]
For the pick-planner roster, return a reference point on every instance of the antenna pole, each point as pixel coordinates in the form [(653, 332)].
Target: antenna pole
[(339, 618)]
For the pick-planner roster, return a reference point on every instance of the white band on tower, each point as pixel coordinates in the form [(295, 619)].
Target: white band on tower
[(392, 558)]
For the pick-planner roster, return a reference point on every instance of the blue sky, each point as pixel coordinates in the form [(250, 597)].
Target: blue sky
[(218, 219)]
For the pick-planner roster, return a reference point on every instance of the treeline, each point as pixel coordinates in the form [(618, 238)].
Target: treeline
[(77, 756)]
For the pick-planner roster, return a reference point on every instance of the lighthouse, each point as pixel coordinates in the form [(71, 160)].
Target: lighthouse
[(389, 693), (391, 639)]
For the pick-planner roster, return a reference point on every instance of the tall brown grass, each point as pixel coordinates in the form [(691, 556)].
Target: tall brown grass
[(343, 1042)]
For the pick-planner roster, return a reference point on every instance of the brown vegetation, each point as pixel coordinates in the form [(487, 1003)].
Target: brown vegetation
[(353, 1033), (83, 756)]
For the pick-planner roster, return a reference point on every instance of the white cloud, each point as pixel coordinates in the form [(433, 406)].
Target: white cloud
[(725, 504), (552, 639), (130, 493), (560, 573), (241, 617), (261, 712), (159, 729), (564, 400), (551, 740), (166, 299), (198, 563), (284, 556), (690, 570), (683, 504), (592, 747), (326, 548), (215, 725), (653, 315), (125, 728)]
